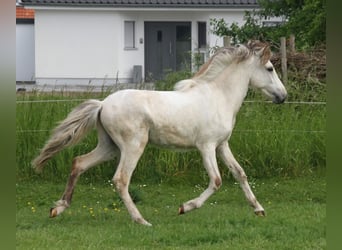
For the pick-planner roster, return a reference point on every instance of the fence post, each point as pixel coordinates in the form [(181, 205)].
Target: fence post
[(292, 47), (226, 41), (283, 59)]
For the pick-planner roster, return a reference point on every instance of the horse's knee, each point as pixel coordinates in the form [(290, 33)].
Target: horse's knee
[(119, 181), (239, 174)]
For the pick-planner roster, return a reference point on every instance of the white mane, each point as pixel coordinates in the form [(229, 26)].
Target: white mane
[(185, 84), (216, 64)]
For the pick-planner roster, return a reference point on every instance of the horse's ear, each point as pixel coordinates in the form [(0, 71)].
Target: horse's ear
[(264, 53), (262, 50)]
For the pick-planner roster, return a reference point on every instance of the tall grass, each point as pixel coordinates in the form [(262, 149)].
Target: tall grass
[(268, 140)]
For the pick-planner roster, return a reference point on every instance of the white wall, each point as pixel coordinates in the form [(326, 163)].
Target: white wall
[(25, 66), (76, 44), (73, 46)]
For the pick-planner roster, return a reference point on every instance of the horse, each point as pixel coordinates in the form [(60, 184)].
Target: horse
[(199, 113)]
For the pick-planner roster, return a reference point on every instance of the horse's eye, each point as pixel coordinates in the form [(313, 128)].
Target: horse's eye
[(270, 69)]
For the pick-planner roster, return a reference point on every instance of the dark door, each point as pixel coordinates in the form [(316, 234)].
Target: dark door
[(167, 48)]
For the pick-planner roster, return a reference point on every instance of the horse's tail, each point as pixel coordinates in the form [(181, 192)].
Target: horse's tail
[(70, 131)]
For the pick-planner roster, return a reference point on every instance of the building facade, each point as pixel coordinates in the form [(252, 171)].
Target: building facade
[(25, 45), (103, 42)]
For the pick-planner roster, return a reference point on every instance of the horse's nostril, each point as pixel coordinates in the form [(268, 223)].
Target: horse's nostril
[(279, 99)]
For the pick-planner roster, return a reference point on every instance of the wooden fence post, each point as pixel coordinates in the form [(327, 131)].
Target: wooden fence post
[(283, 59), (226, 41), (292, 47)]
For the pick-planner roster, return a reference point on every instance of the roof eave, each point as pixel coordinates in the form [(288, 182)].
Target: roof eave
[(155, 6)]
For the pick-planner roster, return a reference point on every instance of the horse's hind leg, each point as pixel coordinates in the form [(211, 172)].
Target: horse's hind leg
[(240, 175), (104, 151)]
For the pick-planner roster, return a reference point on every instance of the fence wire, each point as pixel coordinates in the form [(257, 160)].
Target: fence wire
[(81, 100), (237, 130)]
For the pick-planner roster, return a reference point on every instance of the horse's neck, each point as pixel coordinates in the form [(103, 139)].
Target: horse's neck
[(233, 83)]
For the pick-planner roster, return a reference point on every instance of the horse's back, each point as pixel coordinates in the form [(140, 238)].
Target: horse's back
[(167, 116)]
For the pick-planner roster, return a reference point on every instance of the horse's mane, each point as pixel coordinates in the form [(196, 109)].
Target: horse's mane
[(222, 58)]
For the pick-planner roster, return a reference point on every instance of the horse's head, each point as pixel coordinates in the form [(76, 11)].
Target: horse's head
[(264, 76)]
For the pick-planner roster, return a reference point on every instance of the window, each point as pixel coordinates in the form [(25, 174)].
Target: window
[(129, 34), (159, 36), (271, 23), (202, 34)]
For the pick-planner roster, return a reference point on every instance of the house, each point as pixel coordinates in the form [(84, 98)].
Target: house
[(25, 59), (103, 42)]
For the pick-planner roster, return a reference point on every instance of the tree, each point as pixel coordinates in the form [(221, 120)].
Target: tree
[(306, 19)]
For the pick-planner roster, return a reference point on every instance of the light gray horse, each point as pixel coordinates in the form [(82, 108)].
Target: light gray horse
[(200, 113)]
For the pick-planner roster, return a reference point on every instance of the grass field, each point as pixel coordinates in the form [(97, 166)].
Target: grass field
[(296, 217), (281, 148)]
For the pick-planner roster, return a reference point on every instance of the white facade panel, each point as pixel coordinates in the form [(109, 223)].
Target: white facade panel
[(88, 46), (25, 62), (76, 44)]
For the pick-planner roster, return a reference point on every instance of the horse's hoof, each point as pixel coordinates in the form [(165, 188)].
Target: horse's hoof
[(146, 223), (181, 210), (53, 212), (143, 222), (260, 213)]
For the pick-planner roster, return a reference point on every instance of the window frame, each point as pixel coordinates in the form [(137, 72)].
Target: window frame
[(129, 35), (202, 38)]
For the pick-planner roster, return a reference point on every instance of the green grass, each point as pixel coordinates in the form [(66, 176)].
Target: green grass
[(268, 140), (296, 217), (281, 148)]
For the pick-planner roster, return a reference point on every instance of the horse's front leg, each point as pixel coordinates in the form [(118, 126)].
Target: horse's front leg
[(131, 150), (239, 174), (210, 164)]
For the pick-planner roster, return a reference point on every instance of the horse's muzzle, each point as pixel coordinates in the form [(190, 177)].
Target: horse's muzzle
[(279, 99)]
